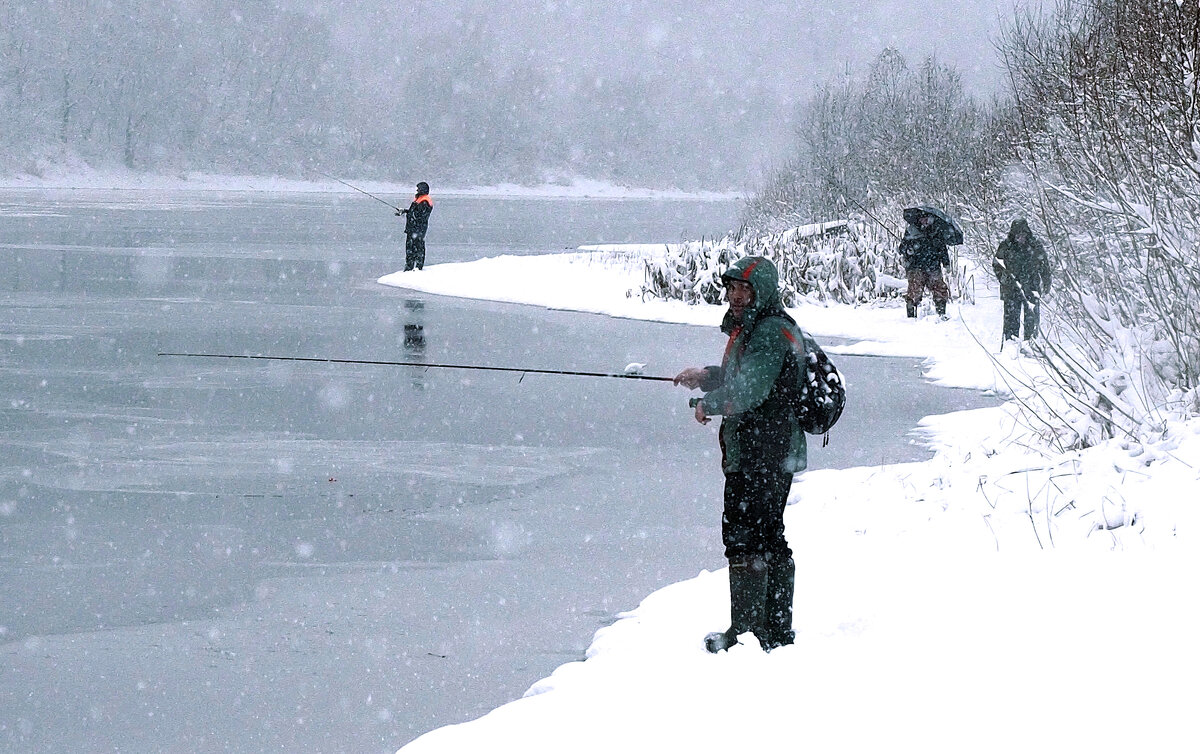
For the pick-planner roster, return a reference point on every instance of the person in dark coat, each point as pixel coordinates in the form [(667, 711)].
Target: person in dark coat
[(1023, 269), (924, 253), (416, 222), (762, 447)]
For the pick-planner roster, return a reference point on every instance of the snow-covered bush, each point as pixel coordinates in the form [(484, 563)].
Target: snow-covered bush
[(845, 261), (854, 264), (691, 271), (1107, 93)]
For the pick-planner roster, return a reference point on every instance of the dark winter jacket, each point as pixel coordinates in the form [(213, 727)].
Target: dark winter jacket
[(751, 387), (1021, 263), (417, 216), (921, 250)]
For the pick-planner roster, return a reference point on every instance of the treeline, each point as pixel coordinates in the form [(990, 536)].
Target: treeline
[(1095, 143), (894, 137), (236, 83), (427, 89)]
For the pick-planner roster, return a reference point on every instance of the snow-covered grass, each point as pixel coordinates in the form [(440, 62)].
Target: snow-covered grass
[(844, 261), (1002, 596)]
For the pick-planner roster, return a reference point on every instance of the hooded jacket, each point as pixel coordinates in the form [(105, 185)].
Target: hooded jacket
[(417, 217), (750, 389), (1021, 265)]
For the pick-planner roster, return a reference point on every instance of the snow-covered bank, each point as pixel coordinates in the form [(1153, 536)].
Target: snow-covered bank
[(608, 280), (999, 597), (77, 177), (893, 653)]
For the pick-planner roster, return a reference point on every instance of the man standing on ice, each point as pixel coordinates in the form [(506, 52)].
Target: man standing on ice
[(416, 222), (762, 447)]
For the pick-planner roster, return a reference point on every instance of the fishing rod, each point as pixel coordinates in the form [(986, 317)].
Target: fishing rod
[(848, 197), (356, 188), (631, 372), (881, 224)]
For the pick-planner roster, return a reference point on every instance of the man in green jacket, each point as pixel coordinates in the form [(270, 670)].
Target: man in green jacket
[(762, 447)]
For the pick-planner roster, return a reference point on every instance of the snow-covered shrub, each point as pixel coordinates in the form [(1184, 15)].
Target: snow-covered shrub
[(845, 261), (1107, 93), (691, 271), (853, 264)]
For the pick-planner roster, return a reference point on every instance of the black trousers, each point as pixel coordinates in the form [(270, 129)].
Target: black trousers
[(414, 252), (1012, 317), (752, 525)]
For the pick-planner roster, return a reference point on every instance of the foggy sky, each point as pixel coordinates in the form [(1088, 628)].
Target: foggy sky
[(778, 50), (671, 92), (779, 43)]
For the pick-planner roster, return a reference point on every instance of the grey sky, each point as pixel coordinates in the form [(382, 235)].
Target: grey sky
[(733, 69), (778, 43), (672, 92)]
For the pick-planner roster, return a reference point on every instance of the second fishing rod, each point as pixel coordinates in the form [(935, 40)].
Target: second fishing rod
[(631, 372), (356, 188)]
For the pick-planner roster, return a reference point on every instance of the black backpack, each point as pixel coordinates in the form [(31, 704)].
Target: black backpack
[(819, 394)]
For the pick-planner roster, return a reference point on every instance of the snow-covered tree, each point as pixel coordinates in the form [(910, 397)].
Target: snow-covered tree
[(898, 136), (1107, 98)]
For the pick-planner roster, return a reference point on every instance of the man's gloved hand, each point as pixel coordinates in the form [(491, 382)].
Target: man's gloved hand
[(400, 212)]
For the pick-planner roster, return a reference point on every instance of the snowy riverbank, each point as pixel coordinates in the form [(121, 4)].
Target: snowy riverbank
[(999, 597)]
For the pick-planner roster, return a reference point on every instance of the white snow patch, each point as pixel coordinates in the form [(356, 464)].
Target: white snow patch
[(999, 597)]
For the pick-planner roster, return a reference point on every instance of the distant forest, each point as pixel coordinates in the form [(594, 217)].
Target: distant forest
[(286, 88)]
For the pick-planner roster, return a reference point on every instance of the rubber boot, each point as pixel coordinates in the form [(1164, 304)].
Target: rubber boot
[(781, 591), (940, 306), (747, 600), (911, 308)]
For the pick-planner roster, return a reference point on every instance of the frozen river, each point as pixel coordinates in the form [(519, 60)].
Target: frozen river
[(201, 555)]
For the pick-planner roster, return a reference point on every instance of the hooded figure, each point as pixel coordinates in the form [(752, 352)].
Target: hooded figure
[(1023, 269), (762, 447), (416, 222), (924, 252)]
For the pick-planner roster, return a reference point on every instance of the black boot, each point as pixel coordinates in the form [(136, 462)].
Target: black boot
[(781, 590), (911, 308), (747, 599), (940, 306)]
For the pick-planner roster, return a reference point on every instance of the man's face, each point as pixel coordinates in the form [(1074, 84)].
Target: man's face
[(740, 295)]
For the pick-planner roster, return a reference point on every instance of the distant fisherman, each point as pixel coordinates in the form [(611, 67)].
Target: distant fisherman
[(1023, 269), (415, 224), (923, 250)]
